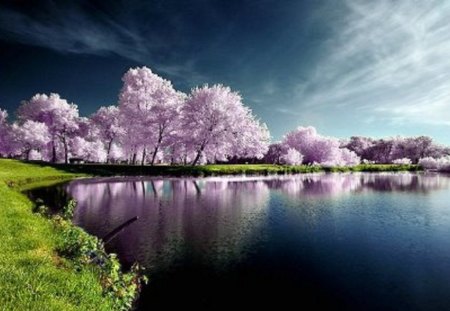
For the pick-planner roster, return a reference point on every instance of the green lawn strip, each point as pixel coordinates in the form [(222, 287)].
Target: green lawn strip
[(221, 169), (32, 275)]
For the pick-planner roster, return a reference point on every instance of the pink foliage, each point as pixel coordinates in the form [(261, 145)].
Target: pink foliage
[(5, 137), (90, 151), (292, 157), (220, 126), (154, 123), (107, 127), (57, 114), (348, 157), (319, 149), (441, 164), (31, 136), (149, 108), (402, 161)]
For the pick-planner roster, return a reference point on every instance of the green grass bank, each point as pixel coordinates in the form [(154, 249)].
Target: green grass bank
[(32, 275), (220, 169)]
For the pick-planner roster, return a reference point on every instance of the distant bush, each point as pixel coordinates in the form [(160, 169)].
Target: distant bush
[(441, 164), (402, 161), (292, 157)]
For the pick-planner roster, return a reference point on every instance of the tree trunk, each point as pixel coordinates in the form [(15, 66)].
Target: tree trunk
[(53, 152), (157, 146), (197, 157), (109, 150), (143, 157), (154, 155), (202, 147), (65, 150), (133, 160)]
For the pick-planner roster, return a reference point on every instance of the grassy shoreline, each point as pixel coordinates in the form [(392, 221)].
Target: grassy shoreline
[(33, 276), (220, 169)]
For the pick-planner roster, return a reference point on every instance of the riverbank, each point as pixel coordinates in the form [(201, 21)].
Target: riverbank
[(219, 169), (33, 276)]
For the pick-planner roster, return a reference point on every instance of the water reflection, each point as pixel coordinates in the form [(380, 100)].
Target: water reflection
[(328, 185), (214, 219)]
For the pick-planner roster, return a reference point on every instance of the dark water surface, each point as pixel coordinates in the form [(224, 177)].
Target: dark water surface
[(330, 241)]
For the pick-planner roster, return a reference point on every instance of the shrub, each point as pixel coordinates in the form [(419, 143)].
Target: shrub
[(428, 163), (69, 209), (85, 250), (402, 161), (440, 164), (292, 157)]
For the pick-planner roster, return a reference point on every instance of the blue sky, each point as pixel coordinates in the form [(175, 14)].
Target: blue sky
[(374, 68)]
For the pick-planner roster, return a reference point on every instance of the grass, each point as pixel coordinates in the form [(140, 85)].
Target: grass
[(32, 275), (222, 169)]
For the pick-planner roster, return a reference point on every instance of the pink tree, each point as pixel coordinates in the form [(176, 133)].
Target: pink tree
[(150, 108), (219, 124), (412, 148), (319, 149), (292, 157), (314, 147), (106, 121), (60, 117), (116, 153), (348, 157), (359, 145), (253, 139), (166, 119), (30, 136), (5, 133), (89, 150), (275, 152)]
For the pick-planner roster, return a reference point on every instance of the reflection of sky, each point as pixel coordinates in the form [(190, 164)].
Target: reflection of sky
[(218, 220)]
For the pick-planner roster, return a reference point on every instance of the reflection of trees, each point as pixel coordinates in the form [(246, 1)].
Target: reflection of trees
[(213, 219), (53, 197), (316, 185), (408, 182)]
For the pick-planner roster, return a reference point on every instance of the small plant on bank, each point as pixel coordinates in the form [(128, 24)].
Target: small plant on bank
[(69, 209), (40, 208)]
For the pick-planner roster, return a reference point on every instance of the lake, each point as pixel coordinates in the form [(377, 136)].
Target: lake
[(353, 241)]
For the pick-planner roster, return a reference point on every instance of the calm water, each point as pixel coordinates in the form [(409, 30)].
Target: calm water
[(334, 241)]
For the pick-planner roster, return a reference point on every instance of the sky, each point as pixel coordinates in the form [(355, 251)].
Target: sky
[(371, 68)]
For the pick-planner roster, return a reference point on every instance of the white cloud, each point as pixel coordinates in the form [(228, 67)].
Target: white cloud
[(389, 59)]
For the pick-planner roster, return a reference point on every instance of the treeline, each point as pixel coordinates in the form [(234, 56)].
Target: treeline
[(154, 123), (304, 145)]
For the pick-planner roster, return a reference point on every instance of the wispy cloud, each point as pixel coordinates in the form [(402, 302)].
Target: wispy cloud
[(389, 60), (73, 30)]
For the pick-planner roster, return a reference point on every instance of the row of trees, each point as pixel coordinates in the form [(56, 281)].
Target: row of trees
[(315, 148), (154, 123)]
